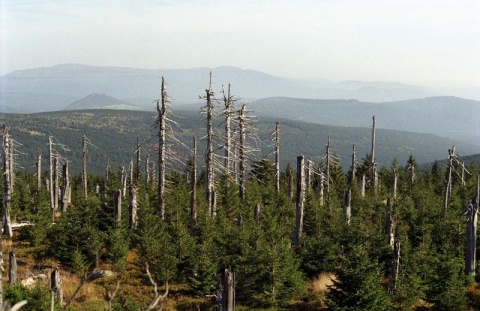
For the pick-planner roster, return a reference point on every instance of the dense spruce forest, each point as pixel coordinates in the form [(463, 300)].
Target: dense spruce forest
[(222, 230)]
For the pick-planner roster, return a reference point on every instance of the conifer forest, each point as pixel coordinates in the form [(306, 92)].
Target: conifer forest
[(229, 227)]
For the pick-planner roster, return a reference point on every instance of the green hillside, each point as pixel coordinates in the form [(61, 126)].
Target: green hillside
[(115, 133)]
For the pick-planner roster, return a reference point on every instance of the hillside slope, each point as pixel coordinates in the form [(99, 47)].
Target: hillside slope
[(100, 101), (444, 116), (114, 133)]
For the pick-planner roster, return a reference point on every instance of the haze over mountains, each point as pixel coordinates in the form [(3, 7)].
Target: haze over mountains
[(54, 88), (350, 103)]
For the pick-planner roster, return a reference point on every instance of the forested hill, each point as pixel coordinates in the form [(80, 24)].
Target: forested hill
[(114, 136)]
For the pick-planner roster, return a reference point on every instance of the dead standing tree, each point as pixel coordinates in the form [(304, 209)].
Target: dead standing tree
[(161, 121), (54, 161), (453, 160), (300, 200), (277, 158), (373, 165), (471, 244), (228, 111), (208, 109)]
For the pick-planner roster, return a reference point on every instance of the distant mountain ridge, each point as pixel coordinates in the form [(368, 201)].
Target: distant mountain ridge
[(446, 116), (142, 86)]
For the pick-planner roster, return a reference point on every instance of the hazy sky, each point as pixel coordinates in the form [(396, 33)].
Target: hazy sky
[(431, 43)]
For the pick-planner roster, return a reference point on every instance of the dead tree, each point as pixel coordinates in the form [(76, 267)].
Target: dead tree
[(300, 199), (228, 291), (162, 126), (228, 101), (147, 169), (208, 109), (84, 170), (242, 153), (394, 183), (39, 172), (111, 295), (395, 269), (373, 165), (471, 244), (277, 158), (390, 227), (50, 169), (15, 307), (137, 168), (117, 207), (321, 186), (12, 269), (347, 206), (123, 175), (133, 205), (327, 169), (55, 287), (157, 298), (66, 191), (54, 159), (256, 213), (448, 178), (193, 189), (353, 167), (7, 184), (363, 185), (56, 186)]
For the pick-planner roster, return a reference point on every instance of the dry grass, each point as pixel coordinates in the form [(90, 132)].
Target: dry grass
[(321, 283)]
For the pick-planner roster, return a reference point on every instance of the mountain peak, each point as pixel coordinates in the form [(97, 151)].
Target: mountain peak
[(100, 101)]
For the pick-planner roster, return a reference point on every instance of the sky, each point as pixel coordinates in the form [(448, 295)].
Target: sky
[(432, 43)]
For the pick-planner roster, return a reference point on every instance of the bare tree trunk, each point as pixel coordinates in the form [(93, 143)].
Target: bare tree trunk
[(123, 174), (65, 188), (347, 206), (84, 171), (56, 287), (39, 172), (228, 291), (137, 169), (130, 171), (327, 171), (162, 145), (373, 164), (56, 185), (228, 103), (12, 270), (133, 207), (471, 247), (277, 158), (242, 153), (7, 186), (300, 199), (362, 190), (210, 185), (390, 225), (117, 207), (395, 269), (147, 169), (354, 166), (50, 184), (448, 178), (308, 174), (256, 213), (394, 184), (321, 186), (193, 189)]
